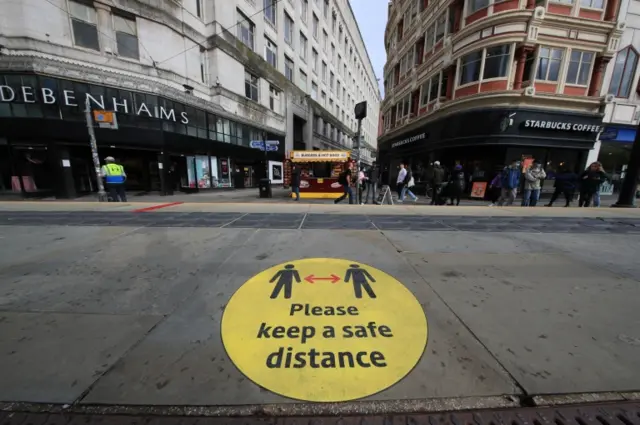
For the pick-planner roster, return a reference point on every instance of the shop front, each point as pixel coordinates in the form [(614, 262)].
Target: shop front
[(484, 141), (615, 152), (319, 172), (164, 145)]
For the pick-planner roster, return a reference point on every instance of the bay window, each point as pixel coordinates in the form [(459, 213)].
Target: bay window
[(579, 67), (624, 70), (496, 63), (470, 67), (404, 107), (549, 61), (475, 5)]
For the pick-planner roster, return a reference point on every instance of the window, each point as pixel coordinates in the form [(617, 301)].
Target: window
[(126, 37), (324, 71), (496, 62), (595, 4), (403, 107), (288, 29), (270, 11), (326, 9), (475, 5), (579, 67), (199, 8), (406, 63), (331, 79), (288, 68), (315, 26), (246, 30), (84, 25), (333, 53), (549, 64), (314, 91), (470, 71), (203, 61), (338, 89), (333, 24), (441, 27), (304, 7), (303, 80), (331, 105), (271, 53), (274, 99), (251, 83), (323, 98), (303, 47), (314, 60), (623, 71), (325, 37)]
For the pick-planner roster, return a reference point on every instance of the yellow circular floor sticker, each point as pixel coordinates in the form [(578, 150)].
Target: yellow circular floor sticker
[(324, 329)]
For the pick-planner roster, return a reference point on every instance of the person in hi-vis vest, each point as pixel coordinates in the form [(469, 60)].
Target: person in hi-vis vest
[(114, 177)]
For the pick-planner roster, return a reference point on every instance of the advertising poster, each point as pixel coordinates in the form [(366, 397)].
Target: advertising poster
[(225, 173), (478, 189), (276, 173)]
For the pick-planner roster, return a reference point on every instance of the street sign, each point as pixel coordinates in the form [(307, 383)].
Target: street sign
[(346, 327), (259, 144), (106, 119)]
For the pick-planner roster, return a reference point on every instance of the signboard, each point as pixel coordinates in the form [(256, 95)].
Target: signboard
[(527, 162), (478, 189), (276, 174), (385, 196), (561, 126), (272, 145), (324, 330), (319, 156), (609, 134), (106, 119)]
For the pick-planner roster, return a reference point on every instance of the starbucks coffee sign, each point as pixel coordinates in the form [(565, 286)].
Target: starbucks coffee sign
[(562, 126), (27, 94)]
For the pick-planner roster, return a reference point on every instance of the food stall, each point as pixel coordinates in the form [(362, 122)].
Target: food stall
[(319, 172)]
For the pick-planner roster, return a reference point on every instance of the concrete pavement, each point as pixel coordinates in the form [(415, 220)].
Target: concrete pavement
[(130, 315)]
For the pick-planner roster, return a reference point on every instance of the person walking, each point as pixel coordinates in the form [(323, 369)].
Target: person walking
[(345, 180), (495, 187), (510, 180), (596, 196), (372, 187), (456, 184), (405, 182), (295, 181), (362, 182), (533, 178), (114, 177), (437, 179), (566, 183), (590, 181)]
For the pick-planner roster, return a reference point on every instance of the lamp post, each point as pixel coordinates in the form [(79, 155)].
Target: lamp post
[(360, 112), (266, 161)]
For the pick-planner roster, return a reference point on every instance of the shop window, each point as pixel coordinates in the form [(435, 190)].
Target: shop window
[(579, 67), (246, 30), (496, 63), (251, 84), (549, 61), (288, 68), (470, 69), (623, 72), (271, 11), (475, 5), (126, 36), (595, 4), (270, 52), (200, 120), (84, 23)]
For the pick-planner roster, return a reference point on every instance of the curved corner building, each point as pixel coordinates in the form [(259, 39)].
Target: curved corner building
[(482, 82)]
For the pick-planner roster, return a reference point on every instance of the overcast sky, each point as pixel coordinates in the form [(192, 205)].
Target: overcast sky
[(372, 18)]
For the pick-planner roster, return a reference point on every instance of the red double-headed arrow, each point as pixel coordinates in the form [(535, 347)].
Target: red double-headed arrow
[(312, 279)]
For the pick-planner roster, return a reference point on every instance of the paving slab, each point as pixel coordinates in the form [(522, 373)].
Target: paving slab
[(54, 357)]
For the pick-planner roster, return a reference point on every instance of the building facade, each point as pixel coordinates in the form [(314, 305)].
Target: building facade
[(482, 82), (622, 94), (199, 89)]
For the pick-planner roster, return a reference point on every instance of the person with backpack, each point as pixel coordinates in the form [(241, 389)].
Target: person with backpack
[(345, 180), (510, 180), (405, 182), (590, 181)]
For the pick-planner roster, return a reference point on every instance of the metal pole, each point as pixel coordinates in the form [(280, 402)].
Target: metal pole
[(358, 162), (626, 198), (102, 195), (266, 160)]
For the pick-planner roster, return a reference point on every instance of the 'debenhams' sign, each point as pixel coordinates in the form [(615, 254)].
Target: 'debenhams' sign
[(562, 126), (27, 94)]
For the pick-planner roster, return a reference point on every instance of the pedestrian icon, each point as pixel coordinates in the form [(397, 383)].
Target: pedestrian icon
[(360, 278), (285, 280)]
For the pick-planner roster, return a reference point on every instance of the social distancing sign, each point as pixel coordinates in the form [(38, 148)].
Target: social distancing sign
[(324, 329)]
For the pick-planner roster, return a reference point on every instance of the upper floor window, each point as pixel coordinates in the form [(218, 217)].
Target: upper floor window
[(251, 84), (314, 91), (624, 70), (271, 52), (246, 30), (303, 47), (84, 25), (303, 80), (274, 99), (288, 29), (475, 5), (315, 26), (549, 61), (496, 64), (126, 37), (304, 7), (595, 4), (199, 8), (271, 11), (288, 68), (326, 9), (314, 60), (579, 67)]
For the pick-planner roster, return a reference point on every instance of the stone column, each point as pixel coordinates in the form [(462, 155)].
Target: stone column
[(596, 75), (106, 32), (521, 56), (611, 10)]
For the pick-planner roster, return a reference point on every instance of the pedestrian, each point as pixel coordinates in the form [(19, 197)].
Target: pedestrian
[(533, 178), (565, 184), (596, 196), (372, 187), (115, 178), (437, 179), (456, 184), (362, 183), (345, 180), (590, 181), (495, 187), (295, 181), (405, 182), (510, 180)]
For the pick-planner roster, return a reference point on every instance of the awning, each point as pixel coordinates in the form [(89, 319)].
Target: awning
[(319, 156)]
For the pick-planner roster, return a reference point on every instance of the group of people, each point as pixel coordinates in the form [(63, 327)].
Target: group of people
[(504, 186)]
